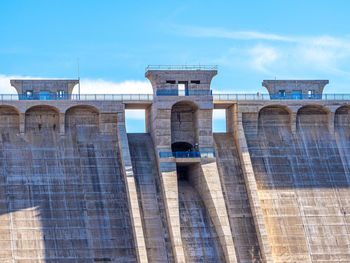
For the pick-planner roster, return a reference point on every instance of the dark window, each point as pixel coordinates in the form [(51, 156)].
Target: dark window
[(195, 81), (171, 81)]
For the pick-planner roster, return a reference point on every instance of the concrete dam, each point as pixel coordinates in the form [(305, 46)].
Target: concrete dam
[(76, 187)]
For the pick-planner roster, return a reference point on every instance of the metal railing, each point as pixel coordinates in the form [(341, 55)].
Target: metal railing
[(175, 92), (149, 97), (182, 67), (278, 97), (83, 97), (191, 154)]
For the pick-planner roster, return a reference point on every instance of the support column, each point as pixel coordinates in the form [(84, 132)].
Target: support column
[(212, 195), (134, 209), (293, 122), (168, 179), (22, 123), (252, 188), (331, 117), (62, 123)]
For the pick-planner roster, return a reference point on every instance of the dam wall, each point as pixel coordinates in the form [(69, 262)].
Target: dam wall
[(302, 180), (76, 187), (64, 197)]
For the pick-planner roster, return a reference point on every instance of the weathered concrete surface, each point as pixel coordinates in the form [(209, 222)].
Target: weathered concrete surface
[(150, 198), (302, 184), (236, 198), (127, 169), (63, 199)]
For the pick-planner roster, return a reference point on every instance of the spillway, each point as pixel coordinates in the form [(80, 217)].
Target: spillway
[(151, 202), (235, 193), (303, 187), (199, 238), (63, 199)]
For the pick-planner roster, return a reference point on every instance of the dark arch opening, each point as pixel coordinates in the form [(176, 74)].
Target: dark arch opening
[(82, 118), (273, 116), (184, 122), (42, 118), (9, 118), (342, 116), (312, 116), (182, 147)]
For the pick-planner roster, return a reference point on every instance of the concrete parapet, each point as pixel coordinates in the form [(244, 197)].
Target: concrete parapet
[(251, 186), (132, 194)]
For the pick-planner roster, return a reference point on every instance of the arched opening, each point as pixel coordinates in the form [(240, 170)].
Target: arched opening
[(342, 117), (9, 118), (184, 123), (39, 119), (312, 116), (82, 119), (181, 147), (274, 116)]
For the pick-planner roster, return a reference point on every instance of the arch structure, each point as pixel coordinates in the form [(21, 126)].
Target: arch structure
[(9, 118), (42, 118), (342, 117), (184, 125), (313, 116), (82, 118), (274, 116)]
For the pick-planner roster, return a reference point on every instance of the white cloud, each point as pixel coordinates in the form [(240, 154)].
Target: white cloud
[(277, 54), (262, 57), (135, 114), (88, 86), (100, 86), (196, 31), (219, 114)]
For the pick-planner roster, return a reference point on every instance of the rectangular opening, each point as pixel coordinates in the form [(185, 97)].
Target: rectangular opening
[(171, 81), (135, 121), (219, 120), (182, 88), (195, 81)]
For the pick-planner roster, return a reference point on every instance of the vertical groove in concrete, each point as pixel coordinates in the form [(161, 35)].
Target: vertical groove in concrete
[(200, 240), (236, 198), (132, 195), (252, 189), (171, 201), (212, 195), (144, 163)]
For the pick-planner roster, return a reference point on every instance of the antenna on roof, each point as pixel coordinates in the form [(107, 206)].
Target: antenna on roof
[(79, 77)]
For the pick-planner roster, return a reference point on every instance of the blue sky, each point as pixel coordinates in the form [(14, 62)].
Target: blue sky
[(115, 41)]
